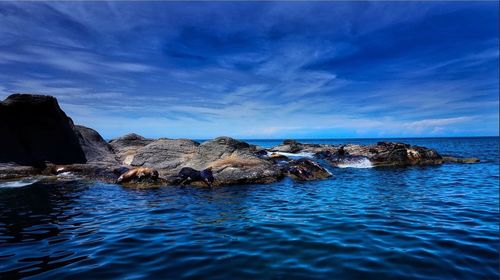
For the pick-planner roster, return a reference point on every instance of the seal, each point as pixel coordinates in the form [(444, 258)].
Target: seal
[(187, 175), (140, 173)]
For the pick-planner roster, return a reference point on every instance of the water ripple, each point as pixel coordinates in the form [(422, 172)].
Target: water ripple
[(437, 222)]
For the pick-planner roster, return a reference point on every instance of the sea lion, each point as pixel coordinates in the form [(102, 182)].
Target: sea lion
[(187, 175), (140, 173)]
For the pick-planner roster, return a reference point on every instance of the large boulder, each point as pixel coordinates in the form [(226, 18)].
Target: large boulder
[(233, 161), (306, 170), (288, 146), (126, 147), (166, 155), (35, 130), (96, 149)]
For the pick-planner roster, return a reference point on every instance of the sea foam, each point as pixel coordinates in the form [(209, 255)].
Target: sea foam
[(19, 183), (356, 163)]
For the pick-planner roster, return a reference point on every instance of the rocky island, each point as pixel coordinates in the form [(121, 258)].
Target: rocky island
[(39, 139)]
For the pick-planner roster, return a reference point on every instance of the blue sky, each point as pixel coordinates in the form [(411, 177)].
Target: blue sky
[(259, 69)]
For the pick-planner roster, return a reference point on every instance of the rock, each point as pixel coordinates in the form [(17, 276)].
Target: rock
[(35, 130), (380, 154), (233, 161), (126, 146), (94, 172), (288, 146), (14, 171), (388, 153), (306, 170), (96, 149), (166, 155), (460, 160)]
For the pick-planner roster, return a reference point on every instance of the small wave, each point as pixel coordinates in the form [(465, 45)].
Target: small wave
[(293, 155), (356, 163), (19, 183)]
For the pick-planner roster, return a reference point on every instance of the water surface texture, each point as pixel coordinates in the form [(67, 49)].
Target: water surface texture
[(434, 222)]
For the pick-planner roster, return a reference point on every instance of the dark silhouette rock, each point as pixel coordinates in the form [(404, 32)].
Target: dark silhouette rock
[(35, 130)]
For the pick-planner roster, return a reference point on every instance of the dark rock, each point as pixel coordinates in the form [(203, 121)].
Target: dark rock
[(96, 149), (387, 153), (261, 153), (382, 153), (14, 171), (306, 170), (290, 142), (35, 130)]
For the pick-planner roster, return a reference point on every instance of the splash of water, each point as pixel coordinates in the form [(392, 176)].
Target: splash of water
[(19, 183), (294, 155), (356, 163)]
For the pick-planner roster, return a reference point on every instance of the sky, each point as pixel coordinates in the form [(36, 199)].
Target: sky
[(264, 70)]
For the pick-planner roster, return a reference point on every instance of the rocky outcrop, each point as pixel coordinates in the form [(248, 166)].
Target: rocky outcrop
[(380, 154), (39, 139), (96, 149), (126, 146), (35, 130), (232, 161)]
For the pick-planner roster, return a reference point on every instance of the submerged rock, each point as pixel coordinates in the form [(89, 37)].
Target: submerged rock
[(451, 159), (35, 130)]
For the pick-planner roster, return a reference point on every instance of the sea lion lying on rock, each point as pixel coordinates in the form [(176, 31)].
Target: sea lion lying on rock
[(188, 175), (138, 174)]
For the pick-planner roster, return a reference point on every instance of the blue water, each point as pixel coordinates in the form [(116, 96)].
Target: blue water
[(434, 222)]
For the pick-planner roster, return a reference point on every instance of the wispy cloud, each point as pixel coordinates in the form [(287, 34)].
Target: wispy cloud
[(260, 69)]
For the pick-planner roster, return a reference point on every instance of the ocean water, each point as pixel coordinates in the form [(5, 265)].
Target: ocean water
[(433, 222)]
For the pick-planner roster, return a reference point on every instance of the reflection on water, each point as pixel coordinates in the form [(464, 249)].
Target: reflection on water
[(388, 223)]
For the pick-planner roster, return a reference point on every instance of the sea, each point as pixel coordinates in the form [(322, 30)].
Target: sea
[(421, 222)]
